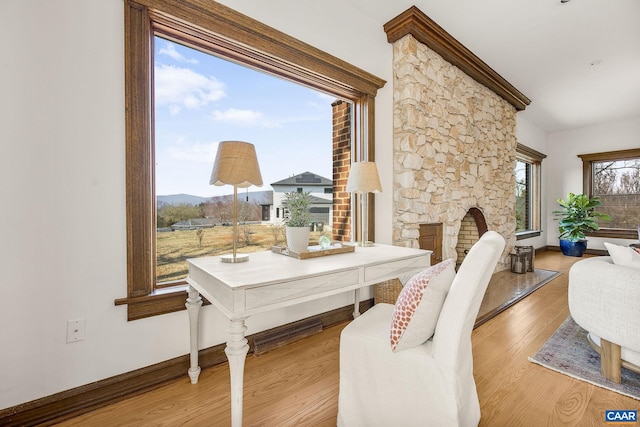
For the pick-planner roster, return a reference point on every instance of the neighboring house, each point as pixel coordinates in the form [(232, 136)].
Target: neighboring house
[(262, 198), (271, 201), (321, 190), (266, 205)]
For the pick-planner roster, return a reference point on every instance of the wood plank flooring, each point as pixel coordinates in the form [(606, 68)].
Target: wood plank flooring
[(297, 385), (506, 288)]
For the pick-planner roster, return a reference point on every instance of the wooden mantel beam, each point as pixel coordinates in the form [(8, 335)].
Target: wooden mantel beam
[(413, 21)]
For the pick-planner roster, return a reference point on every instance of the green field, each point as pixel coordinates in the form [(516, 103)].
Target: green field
[(173, 248)]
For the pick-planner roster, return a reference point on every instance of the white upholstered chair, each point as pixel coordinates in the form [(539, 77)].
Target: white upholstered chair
[(428, 385)]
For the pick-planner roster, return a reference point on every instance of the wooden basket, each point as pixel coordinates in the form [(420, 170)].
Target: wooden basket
[(387, 291)]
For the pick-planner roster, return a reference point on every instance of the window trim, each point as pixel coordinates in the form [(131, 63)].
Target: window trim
[(237, 38), (535, 158), (587, 173)]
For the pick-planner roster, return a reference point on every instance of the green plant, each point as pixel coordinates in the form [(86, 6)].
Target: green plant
[(298, 204), (578, 216)]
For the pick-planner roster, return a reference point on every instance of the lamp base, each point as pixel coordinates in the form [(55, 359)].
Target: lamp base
[(365, 244), (238, 258)]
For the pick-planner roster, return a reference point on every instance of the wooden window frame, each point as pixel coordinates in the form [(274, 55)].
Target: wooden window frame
[(587, 187), (534, 158), (217, 29)]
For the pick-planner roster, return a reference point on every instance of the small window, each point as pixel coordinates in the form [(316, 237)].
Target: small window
[(523, 195), (614, 177), (527, 192)]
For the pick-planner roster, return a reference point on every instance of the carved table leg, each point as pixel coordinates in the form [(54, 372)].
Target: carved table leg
[(356, 304), (236, 351), (194, 302)]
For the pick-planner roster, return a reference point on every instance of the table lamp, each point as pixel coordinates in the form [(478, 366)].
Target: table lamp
[(363, 179), (236, 164)]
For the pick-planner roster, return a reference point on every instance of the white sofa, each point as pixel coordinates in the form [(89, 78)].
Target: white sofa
[(604, 299)]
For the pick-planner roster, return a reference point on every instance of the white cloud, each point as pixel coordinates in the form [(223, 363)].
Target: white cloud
[(170, 51), (326, 98), (197, 152), (322, 102), (252, 118), (241, 117), (179, 88)]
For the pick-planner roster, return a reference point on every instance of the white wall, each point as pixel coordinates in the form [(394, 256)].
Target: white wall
[(62, 178), (565, 168)]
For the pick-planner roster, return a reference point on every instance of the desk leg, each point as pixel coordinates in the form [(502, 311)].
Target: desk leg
[(194, 302), (356, 303), (236, 351)]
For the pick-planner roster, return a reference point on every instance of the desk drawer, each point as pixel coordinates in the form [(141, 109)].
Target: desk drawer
[(289, 291), (389, 270)]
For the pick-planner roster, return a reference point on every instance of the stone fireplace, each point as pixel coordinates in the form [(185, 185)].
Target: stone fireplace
[(454, 145), (472, 226)]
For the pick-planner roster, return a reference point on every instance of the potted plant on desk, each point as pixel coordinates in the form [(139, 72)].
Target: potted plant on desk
[(577, 217), (297, 220)]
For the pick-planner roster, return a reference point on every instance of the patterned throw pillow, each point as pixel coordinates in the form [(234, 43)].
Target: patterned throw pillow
[(419, 304), (623, 255)]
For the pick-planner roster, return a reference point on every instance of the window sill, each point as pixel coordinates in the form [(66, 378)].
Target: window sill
[(617, 233), (161, 301), (527, 234)]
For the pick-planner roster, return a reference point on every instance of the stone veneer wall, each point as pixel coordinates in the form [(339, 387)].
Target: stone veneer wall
[(454, 149)]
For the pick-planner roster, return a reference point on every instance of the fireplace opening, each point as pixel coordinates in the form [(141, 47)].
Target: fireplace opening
[(473, 225)]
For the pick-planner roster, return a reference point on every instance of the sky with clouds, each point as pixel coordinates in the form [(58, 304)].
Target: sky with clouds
[(201, 100)]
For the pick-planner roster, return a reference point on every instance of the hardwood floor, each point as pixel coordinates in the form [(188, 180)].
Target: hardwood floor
[(297, 385), (506, 288)]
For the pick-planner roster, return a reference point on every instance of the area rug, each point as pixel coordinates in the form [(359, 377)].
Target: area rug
[(568, 352), (506, 288)]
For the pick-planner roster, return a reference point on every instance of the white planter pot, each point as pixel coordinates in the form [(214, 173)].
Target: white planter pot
[(298, 238)]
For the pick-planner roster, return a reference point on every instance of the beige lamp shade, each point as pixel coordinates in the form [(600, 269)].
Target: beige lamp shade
[(363, 178), (236, 164)]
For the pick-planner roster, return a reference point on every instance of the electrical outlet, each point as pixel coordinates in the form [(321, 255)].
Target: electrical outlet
[(76, 329)]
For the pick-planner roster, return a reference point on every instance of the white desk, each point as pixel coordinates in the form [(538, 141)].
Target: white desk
[(269, 281)]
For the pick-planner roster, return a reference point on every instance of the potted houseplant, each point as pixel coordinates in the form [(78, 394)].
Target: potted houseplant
[(576, 217), (297, 220)]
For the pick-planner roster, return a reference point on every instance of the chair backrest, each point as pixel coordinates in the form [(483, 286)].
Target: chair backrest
[(452, 338)]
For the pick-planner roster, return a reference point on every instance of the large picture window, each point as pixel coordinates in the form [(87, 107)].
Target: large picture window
[(614, 177), (215, 29), (201, 99)]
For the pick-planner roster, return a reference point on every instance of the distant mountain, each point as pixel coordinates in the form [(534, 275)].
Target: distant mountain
[(259, 197), (177, 199)]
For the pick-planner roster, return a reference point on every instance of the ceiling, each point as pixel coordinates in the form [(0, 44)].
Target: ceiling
[(578, 62)]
